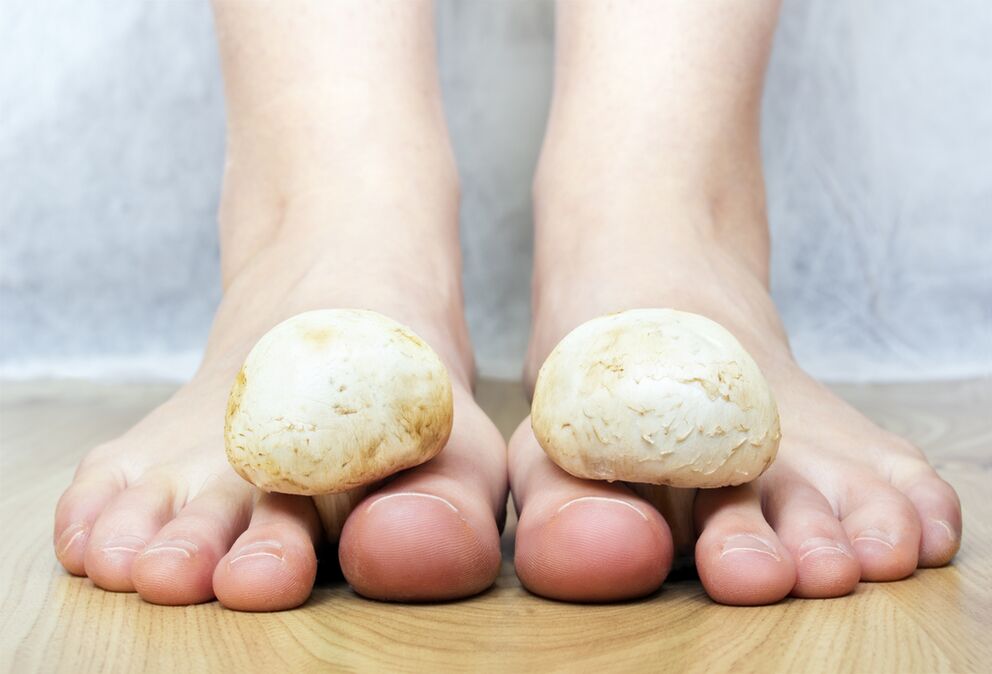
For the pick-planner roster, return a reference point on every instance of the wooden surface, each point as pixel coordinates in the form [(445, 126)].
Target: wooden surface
[(938, 620)]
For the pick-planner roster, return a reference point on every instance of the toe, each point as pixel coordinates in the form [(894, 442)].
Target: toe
[(883, 527), (939, 511), (272, 565), (739, 557), (123, 530), (77, 512), (808, 528), (419, 540), (582, 540), (431, 534), (177, 565)]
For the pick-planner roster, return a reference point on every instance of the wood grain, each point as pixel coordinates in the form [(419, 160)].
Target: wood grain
[(938, 620)]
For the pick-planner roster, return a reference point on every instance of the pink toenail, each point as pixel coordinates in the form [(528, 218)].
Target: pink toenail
[(603, 499), (72, 533), (258, 549), (749, 543), (874, 536), (944, 527), (178, 545), (823, 546), (124, 544), (411, 493)]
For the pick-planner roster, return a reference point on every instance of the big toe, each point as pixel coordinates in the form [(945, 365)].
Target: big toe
[(410, 545), (580, 540), (431, 534)]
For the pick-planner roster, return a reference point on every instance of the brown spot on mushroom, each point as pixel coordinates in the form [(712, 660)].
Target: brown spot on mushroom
[(318, 338), (410, 337), (234, 400)]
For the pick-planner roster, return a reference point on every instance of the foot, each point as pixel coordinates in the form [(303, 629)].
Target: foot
[(844, 501), (160, 512), (335, 195)]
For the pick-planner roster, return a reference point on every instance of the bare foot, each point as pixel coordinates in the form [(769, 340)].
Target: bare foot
[(649, 194), (322, 207), (844, 501), (159, 510)]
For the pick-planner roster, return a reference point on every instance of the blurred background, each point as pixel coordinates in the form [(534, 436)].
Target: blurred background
[(878, 151)]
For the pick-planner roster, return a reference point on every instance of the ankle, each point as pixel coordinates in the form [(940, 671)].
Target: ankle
[(613, 223), (307, 149), (307, 159), (367, 203)]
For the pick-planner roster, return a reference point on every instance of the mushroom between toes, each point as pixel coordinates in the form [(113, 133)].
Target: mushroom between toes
[(666, 400), (329, 402)]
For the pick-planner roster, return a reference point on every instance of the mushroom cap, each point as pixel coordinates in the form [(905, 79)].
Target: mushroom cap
[(656, 396), (334, 399)]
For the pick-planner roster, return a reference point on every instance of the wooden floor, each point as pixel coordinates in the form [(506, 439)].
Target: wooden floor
[(938, 620)]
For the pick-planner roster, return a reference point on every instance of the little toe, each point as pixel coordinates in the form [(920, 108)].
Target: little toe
[(739, 557), (272, 565), (808, 528), (119, 535), (177, 565), (431, 534), (582, 540), (884, 530), (939, 510), (77, 511)]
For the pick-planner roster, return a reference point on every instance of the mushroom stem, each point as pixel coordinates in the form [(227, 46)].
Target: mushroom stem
[(335, 508), (675, 505)]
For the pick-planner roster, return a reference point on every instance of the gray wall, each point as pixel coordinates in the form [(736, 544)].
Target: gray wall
[(878, 144)]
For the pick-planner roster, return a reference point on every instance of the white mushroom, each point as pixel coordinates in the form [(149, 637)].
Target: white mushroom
[(655, 396), (330, 401)]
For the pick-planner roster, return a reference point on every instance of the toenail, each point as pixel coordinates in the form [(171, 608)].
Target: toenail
[(411, 493), (603, 499), (68, 538), (259, 549), (124, 544), (172, 547), (943, 528), (823, 546), (749, 543), (874, 536)]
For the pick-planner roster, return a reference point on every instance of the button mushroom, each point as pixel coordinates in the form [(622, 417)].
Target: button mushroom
[(330, 401), (659, 397)]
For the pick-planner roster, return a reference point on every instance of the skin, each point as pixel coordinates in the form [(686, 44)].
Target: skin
[(649, 193)]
